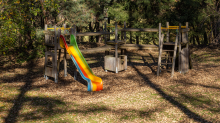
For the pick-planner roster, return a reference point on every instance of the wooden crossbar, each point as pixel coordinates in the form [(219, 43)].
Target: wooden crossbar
[(62, 28), (173, 27), (177, 26), (114, 26)]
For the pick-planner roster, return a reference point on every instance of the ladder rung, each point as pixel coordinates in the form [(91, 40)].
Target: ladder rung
[(169, 43), (166, 63), (167, 50)]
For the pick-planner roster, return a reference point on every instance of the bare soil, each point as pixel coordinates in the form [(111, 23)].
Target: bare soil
[(192, 97)]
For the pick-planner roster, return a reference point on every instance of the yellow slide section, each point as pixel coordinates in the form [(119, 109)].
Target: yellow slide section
[(94, 82)]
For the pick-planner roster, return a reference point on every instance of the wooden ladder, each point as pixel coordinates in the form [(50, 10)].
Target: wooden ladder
[(52, 45), (160, 54)]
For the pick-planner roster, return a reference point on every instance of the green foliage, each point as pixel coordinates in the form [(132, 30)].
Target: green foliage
[(22, 21), (81, 16), (118, 12)]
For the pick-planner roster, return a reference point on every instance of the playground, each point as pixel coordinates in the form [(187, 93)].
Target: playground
[(134, 95)]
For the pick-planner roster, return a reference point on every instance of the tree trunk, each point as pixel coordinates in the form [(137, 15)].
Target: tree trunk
[(130, 37), (44, 11), (205, 38), (91, 30), (197, 39), (137, 39), (97, 30), (194, 42)]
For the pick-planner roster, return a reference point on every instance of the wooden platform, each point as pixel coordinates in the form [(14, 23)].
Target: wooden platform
[(139, 47)]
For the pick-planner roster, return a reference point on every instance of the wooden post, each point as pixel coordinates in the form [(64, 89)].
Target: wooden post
[(64, 59), (187, 26), (190, 62), (168, 33), (125, 32), (167, 40), (179, 41), (58, 45), (160, 51), (174, 56), (187, 46), (55, 56), (184, 53), (116, 48), (46, 49), (75, 71)]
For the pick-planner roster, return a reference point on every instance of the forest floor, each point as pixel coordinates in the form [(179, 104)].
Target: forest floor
[(134, 95)]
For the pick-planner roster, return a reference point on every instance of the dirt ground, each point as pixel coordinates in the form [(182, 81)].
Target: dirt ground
[(140, 76)]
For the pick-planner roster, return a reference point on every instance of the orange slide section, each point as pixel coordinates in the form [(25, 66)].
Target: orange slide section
[(94, 83)]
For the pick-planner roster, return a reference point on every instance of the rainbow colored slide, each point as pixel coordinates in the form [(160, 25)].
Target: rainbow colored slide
[(94, 83)]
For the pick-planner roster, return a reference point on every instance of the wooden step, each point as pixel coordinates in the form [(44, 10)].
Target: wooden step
[(169, 43)]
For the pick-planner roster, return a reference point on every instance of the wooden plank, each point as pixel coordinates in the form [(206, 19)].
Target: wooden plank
[(138, 47), (169, 43), (140, 29), (109, 63), (184, 61)]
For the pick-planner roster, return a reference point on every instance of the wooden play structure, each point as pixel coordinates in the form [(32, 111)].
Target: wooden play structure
[(117, 62)]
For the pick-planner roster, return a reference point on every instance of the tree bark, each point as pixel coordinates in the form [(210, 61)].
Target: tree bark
[(44, 11)]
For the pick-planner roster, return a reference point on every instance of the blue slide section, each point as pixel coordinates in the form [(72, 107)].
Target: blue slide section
[(86, 79)]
